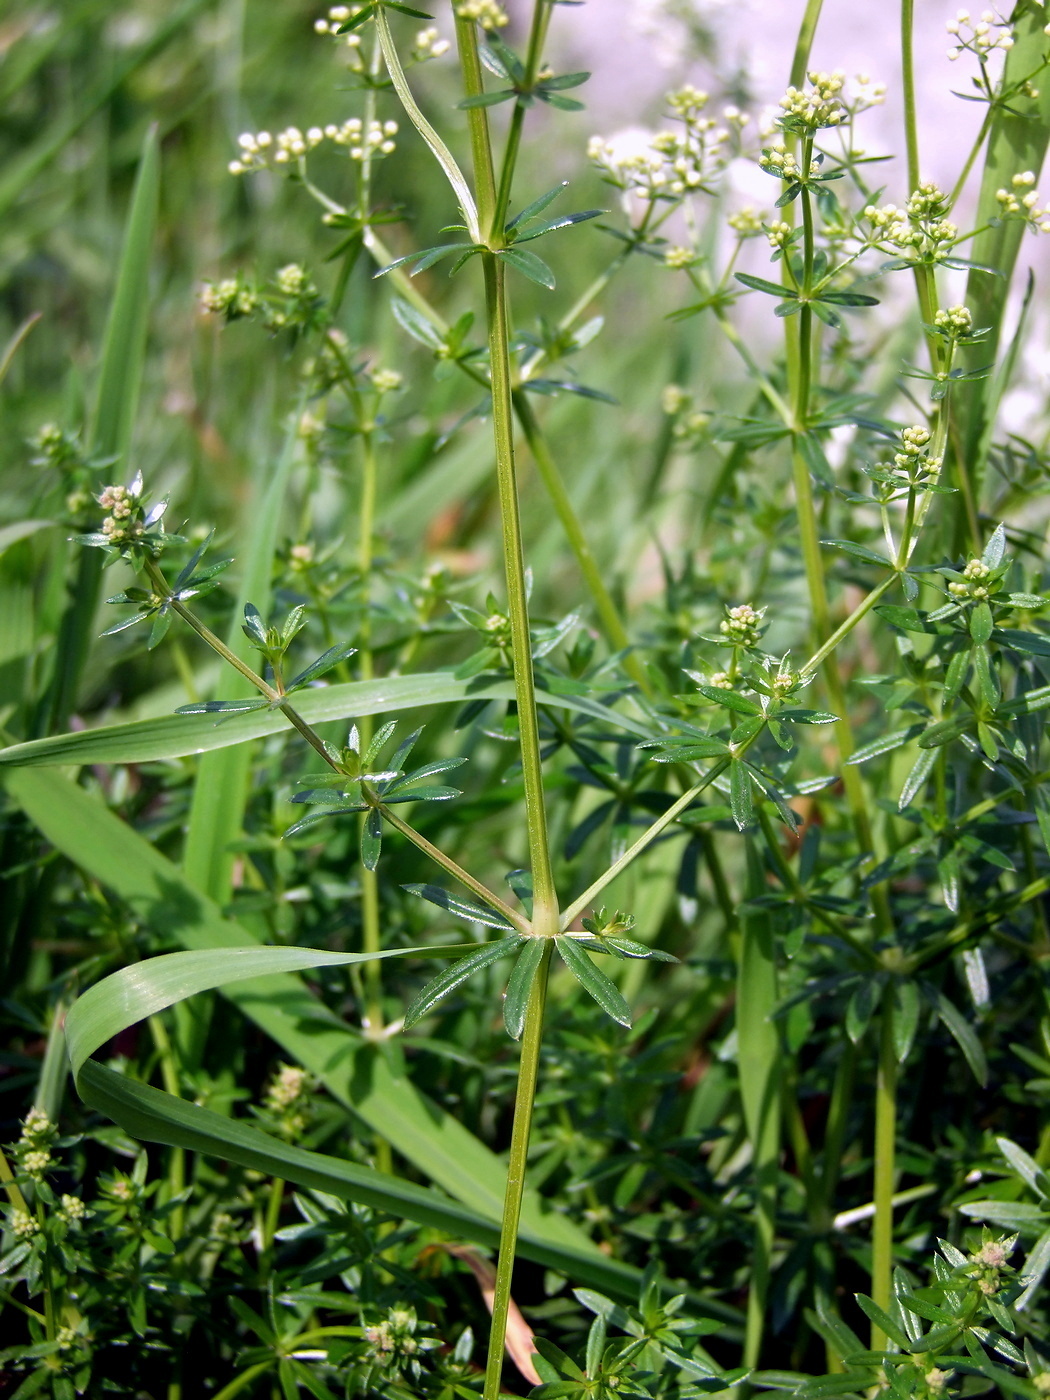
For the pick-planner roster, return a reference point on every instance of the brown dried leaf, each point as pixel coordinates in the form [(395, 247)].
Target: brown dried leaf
[(520, 1344)]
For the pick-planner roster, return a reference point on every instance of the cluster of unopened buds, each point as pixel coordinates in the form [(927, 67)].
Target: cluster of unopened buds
[(286, 1099), (487, 13), (33, 1149), (779, 233), (979, 36), (987, 1263), (1022, 200), (676, 402), (674, 163), (231, 298), (782, 164), (124, 521), (919, 228), (974, 585), (428, 43), (955, 323), (643, 173), (806, 110), (678, 256), (385, 381), (912, 467), (740, 627)]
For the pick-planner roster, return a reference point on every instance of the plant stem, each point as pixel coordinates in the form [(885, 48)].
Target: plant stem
[(911, 126), (528, 1071), (545, 899), (804, 43), (885, 1165)]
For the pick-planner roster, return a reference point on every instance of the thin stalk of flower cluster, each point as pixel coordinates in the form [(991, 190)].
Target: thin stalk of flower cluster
[(648, 836), (477, 119), (533, 55), (317, 743), (440, 151)]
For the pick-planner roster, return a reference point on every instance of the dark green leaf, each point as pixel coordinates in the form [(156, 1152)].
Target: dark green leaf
[(522, 976), (529, 265), (593, 980), (461, 908), (462, 969)]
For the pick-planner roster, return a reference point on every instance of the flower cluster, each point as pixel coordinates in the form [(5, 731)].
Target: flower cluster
[(807, 110), (232, 298), (673, 163), (395, 1342), (260, 150), (740, 627), (52, 447), (676, 402), (746, 222), (128, 527), (912, 467), (782, 164), (427, 44), (286, 1102), (32, 1152), (955, 323), (487, 13), (974, 582), (385, 381), (1021, 200), (988, 1263), (920, 229), (981, 36)]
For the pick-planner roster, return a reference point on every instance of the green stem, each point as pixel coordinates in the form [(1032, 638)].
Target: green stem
[(456, 871), (545, 900), (911, 125), (885, 1168), (528, 1072), (371, 938), (477, 120), (804, 43)]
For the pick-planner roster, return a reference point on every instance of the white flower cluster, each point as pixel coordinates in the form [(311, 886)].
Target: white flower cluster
[(259, 150), (428, 43), (1022, 199), (819, 105), (124, 521), (487, 13), (981, 36), (673, 163), (918, 229)]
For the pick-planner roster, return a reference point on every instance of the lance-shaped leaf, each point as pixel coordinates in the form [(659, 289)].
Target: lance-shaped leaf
[(522, 977), (593, 980), (324, 663), (464, 968), (461, 908)]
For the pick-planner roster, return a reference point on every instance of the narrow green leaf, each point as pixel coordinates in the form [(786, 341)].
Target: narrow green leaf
[(916, 779), (371, 839), (741, 797), (905, 1016), (519, 986), (1026, 1167), (731, 700), (963, 1033), (461, 970), (594, 981), (859, 551), (761, 284), (532, 267), (883, 1321), (461, 908)]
